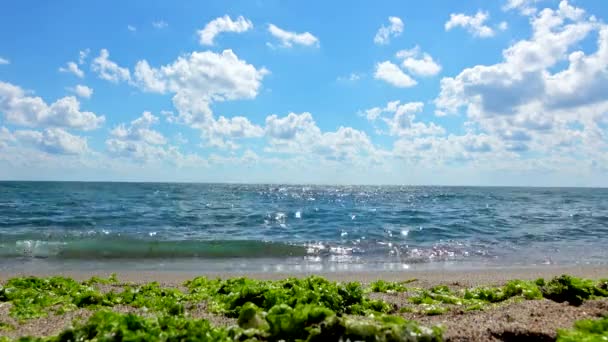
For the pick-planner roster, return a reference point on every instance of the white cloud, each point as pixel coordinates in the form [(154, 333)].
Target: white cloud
[(521, 77), (138, 142), (109, 70), (585, 81), (391, 74), (221, 132), (160, 24), (52, 140), (419, 63), (6, 137), (82, 55), (20, 109), (401, 119), (288, 127), (288, 39), (503, 26), (352, 77), (199, 79), (525, 7), (139, 130), (478, 150), (131, 28), (223, 24), (72, 68), (299, 134), (394, 29), (236, 127), (180, 139), (473, 24), (529, 101), (373, 113), (82, 91), (4, 61)]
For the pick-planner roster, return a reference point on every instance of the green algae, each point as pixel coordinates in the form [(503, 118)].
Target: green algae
[(589, 330), (151, 297), (514, 288), (228, 296), (304, 323), (572, 289), (382, 286), (111, 326), (307, 309), (31, 297), (6, 326), (564, 288)]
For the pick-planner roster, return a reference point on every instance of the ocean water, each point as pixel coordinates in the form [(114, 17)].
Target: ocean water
[(228, 227)]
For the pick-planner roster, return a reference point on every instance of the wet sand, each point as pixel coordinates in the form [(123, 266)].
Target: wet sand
[(466, 277)]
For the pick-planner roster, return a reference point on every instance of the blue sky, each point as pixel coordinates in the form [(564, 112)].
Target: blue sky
[(509, 92)]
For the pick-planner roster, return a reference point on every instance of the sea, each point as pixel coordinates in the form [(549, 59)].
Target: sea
[(59, 226)]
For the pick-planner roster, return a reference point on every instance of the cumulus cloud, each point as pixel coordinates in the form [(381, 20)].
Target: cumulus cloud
[(475, 25), (527, 100), (6, 137), (286, 128), (390, 73), (139, 130), (199, 79), (4, 61), (470, 148), (525, 7), (400, 119), (82, 91), (585, 81), (109, 70), (83, 55), (223, 24), (289, 39), (222, 131), (299, 134), (138, 142), (72, 68), (21, 109), (394, 29), (523, 75), (53, 141), (418, 62)]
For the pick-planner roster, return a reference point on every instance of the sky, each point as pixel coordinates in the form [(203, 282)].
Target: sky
[(439, 92)]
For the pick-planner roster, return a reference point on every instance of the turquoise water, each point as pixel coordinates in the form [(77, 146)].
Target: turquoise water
[(288, 227)]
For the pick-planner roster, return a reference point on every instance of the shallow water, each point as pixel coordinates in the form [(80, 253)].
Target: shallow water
[(287, 227)]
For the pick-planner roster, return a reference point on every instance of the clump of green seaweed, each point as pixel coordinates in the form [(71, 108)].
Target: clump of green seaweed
[(389, 287), (572, 289), (228, 296), (32, 296), (305, 323), (588, 330), (111, 326), (560, 289)]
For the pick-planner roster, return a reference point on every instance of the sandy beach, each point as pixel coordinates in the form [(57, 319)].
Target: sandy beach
[(532, 320)]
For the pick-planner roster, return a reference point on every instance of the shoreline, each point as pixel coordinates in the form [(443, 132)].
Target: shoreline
[(465, 277)]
